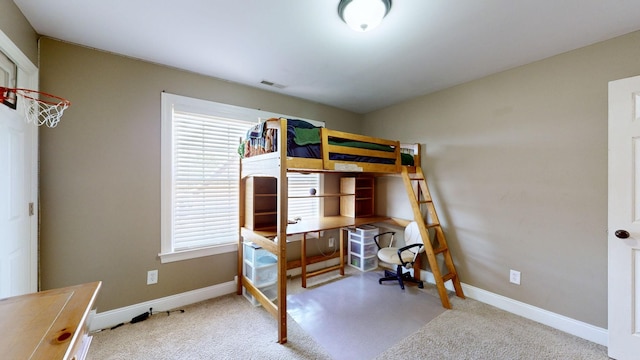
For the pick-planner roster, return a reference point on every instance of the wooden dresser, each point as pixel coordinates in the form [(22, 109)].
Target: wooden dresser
[(49, 324)]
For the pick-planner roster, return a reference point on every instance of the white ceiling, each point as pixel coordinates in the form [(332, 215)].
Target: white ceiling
[(422, 45)]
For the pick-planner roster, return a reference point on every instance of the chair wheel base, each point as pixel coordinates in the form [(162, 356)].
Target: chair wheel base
[(401, 279)]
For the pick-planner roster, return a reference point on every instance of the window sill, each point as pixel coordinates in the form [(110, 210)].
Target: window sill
[(196, 253)]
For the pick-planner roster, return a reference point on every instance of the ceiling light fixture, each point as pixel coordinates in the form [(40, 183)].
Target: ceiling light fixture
[(363, 15)]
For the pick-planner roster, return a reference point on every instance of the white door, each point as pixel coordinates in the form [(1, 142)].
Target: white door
[(16, 245), (624, 218)]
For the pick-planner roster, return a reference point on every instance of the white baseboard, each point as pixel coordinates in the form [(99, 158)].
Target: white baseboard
[(111, 318), (574, 327), (578, 328), (123, 315)]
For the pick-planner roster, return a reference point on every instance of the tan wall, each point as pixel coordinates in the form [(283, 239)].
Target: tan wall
[(517, 162), (17, 28), (100, 171)]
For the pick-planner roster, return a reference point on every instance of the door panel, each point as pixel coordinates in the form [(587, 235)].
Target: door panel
[(18, 179), (16, 269), (624, 214)]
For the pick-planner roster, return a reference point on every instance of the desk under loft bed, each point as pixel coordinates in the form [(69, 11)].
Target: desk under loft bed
[(279, 146)]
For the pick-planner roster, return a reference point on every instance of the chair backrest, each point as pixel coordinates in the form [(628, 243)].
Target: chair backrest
[(412, 235)]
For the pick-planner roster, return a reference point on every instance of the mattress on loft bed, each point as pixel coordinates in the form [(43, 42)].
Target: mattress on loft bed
[(303, 141)]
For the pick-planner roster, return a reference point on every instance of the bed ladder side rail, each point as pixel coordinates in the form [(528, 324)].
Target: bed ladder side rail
[(419, 197)]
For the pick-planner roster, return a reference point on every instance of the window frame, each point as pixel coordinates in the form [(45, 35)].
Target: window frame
[(169, 102)]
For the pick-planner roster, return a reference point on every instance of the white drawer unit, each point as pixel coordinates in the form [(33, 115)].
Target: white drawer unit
[(257, 256), (271, 292), (363, 252), (261, 268), (261, 275)]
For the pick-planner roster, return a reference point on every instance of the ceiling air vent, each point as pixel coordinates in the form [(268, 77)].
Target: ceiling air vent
[(271, 83)]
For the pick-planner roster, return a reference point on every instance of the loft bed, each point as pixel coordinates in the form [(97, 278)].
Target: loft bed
[(278, 146), (313, 148)]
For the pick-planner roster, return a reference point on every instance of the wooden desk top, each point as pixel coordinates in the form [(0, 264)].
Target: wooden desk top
[(45, 325), (324, 223), (330, 222), (264, 237)]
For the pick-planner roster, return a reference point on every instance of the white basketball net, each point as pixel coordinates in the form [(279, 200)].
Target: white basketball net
[(41, 108), (41, 112)]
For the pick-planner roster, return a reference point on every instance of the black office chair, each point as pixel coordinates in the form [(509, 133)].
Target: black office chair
[(403, 257)]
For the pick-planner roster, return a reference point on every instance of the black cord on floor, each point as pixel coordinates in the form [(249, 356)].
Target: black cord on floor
[(142, 317), (167, 311)]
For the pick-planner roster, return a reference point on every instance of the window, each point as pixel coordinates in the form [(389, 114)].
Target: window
[(200, 167), (300, 185), (200, 177)]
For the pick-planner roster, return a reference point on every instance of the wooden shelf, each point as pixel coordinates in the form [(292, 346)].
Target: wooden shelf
[(361, 203), (261, 202)]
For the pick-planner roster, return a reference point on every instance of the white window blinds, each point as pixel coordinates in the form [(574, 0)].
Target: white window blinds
[(199, 177), (205, 179), (300, 185)]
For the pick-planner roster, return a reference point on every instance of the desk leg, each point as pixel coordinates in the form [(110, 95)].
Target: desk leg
[(303, 259), (342, 231)]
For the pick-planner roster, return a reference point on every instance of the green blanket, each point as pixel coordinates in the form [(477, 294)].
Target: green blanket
[(361, 145), (307, 136), (312, 136)]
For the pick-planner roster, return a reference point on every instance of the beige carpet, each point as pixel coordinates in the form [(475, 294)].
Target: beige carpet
[(228, 327)]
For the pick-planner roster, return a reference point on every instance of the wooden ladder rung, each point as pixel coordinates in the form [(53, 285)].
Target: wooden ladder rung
[(425, 201), (440, 250), (448, 277), (429, 226)]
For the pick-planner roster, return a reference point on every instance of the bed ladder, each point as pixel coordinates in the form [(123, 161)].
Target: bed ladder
[(419, 196)]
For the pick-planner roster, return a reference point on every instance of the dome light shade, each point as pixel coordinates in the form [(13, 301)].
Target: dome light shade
[(363, 15)]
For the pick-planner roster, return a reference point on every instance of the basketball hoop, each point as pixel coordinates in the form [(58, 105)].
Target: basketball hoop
[(39, 107)]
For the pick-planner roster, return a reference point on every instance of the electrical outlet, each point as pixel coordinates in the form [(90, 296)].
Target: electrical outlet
[(332, 242), (514, 277), (152, 277)]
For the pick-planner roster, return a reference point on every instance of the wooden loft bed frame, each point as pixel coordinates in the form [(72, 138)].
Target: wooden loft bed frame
[(258, 163), (276, 164)]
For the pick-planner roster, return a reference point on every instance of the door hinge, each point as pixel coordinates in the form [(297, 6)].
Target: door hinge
[(31, 206)]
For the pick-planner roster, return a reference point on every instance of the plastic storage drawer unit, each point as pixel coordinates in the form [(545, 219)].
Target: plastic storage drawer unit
[(271, 292), (261, 269), (363, 251), (261, 275)]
